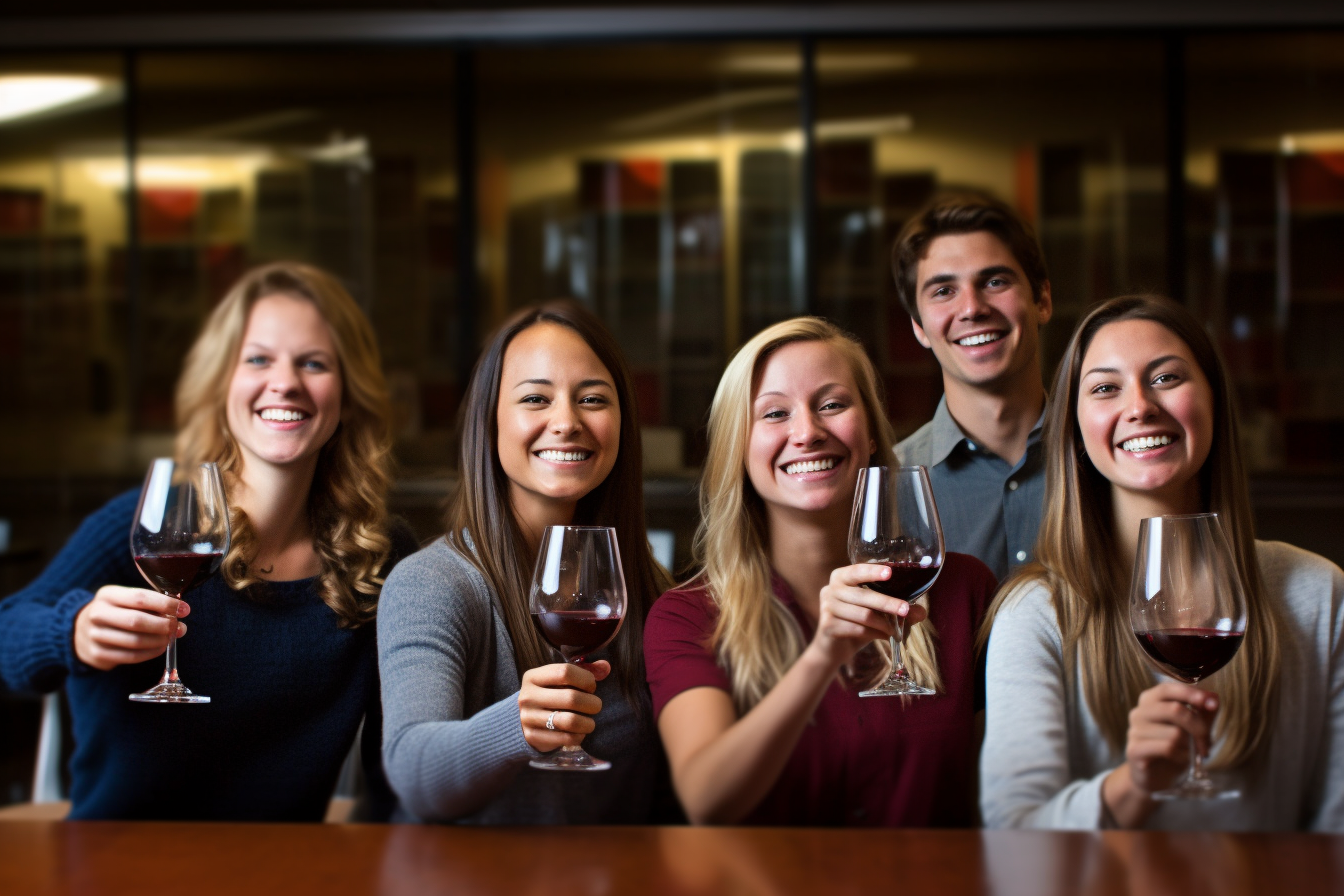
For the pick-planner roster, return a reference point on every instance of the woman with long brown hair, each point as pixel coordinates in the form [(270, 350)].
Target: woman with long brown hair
[(755, 664), (1080, 732), (283, 390), (471, 692)]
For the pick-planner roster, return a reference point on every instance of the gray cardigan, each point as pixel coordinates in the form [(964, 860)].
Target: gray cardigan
[(453, 745), (1044, 758)]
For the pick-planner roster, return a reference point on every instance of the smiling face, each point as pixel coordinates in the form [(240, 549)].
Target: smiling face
[(1145, 410), (809, 432), (559, 423), (977, 313), (284, 401)]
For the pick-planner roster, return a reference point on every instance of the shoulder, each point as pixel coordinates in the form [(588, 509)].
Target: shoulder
[(969, 579), (436, 574), (1026, 602), (916, 447), (115, 516), (1309, 584), (686, 606)]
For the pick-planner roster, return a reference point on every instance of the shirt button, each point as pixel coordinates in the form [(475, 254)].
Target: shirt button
[(1021, 556), (1012, 485), (970, 445)]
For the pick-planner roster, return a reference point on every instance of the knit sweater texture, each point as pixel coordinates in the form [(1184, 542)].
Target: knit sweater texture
[(288, 691)]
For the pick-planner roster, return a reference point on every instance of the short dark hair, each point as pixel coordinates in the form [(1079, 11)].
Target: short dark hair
[(965, 212)]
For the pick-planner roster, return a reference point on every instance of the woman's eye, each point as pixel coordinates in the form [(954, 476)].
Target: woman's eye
[(315, 365), (1165, 379), (532, 399), (774, 415), (594, 400), (1103, 389), (833, 406), (255, 360)]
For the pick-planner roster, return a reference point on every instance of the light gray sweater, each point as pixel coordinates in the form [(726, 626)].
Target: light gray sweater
[(1044, 758), (453, 744)]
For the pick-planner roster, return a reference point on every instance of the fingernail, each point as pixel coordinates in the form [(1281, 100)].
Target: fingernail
[(182, 608), (1211, 704), (181, 629)]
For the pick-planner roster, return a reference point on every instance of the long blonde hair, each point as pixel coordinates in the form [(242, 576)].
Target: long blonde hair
[(756, 637), (347, 502), (1077, 558)]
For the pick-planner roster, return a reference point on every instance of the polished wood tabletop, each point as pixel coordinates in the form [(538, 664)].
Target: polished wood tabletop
[(112, 858)]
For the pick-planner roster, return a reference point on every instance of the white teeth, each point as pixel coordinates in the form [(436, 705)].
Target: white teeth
[(1145, 443), (564, 455), (282, 415), (981, 339), (810, 466)]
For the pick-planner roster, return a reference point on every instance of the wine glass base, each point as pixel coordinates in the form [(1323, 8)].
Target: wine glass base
[(898, 687), (169, 692), (1207, 789), (570, 761)]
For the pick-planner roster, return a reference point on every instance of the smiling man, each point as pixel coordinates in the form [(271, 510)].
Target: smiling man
[(970, 273)]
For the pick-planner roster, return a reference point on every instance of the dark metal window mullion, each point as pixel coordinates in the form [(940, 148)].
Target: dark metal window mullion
[(134, 281), (1174, 84)]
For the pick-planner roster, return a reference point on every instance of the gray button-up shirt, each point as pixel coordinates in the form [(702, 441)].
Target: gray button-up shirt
[(989, 507)]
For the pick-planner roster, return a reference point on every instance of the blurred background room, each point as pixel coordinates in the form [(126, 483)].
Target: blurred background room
[(692, 173)]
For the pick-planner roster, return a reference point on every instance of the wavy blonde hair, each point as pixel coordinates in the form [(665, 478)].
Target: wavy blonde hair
[(756, 637), (1077, 558), (347, 503)]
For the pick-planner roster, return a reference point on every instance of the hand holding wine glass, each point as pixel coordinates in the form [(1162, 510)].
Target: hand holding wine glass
[(577, 602), (1188, 611), (178, 539), (895, 523)]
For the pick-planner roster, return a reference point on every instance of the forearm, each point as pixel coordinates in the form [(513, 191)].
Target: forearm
[(727, 778), (443, 770)]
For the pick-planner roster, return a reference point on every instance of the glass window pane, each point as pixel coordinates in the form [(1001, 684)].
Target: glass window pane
[(1265, 177), (340, 159), (1067, 130), (659, 186)]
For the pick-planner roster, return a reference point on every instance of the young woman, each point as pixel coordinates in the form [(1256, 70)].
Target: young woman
[(283, 390), (471, 691), (1079, 729), (755, 665)]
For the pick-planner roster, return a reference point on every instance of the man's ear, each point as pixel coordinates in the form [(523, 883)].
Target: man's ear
[(919, 333), (1044, 307)]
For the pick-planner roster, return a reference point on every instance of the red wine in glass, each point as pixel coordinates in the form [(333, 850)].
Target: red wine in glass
[(576, 633), (577, 602), (894, 523), (908, 579), (1187, 607), (177, 573), (179, 537), (1190, 654)]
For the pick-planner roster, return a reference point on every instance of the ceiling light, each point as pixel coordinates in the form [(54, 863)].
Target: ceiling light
[(22, 96)]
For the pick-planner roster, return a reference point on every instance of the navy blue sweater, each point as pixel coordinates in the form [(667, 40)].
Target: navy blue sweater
[(288, 690)]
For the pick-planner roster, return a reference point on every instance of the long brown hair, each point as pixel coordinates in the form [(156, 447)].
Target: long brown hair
[(1077, 558), (347, 508), (756, 638), (481, 524)]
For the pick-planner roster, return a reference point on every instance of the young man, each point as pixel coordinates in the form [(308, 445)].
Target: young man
[(971, 275)]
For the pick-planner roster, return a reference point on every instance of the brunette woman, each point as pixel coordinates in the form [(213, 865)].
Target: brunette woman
[(755, 665), (471, 691), (284, 392), (1080, 732)]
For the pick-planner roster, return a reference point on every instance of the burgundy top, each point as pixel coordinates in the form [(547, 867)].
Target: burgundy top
[(862, 761)]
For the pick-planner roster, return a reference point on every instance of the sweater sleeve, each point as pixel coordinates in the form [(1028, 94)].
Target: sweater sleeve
[(1024, 764), (1330, 816), (433, 622), (37, 623)]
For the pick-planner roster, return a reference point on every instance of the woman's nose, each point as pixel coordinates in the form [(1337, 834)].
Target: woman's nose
[(564, 418)]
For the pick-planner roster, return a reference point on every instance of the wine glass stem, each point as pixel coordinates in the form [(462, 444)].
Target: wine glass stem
[(1196, 772), (170, 655), (897, 660)]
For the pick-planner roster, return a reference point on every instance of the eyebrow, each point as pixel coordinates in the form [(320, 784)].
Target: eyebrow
[(983, 273), (585, 384), (817, 391), (1156, 362), (261, 346)]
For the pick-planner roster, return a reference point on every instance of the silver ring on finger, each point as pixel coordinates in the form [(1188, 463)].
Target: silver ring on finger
[(550, 721)]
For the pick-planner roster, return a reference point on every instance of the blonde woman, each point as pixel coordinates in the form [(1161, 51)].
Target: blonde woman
[(283, 390), (1079, 730), (755, 665)]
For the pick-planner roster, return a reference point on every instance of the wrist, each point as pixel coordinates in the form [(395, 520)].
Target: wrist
[(1123, 803)]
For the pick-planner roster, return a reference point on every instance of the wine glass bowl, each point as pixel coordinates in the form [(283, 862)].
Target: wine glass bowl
[(179, 536), (895, 523), (1187, 609), (577, 602)]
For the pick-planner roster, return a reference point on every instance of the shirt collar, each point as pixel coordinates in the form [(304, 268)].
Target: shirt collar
[(946, 435)]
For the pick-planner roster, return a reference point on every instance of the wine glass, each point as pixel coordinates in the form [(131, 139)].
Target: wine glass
[(1188, 610), (577, 604), (179, 536), (895, 523)]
